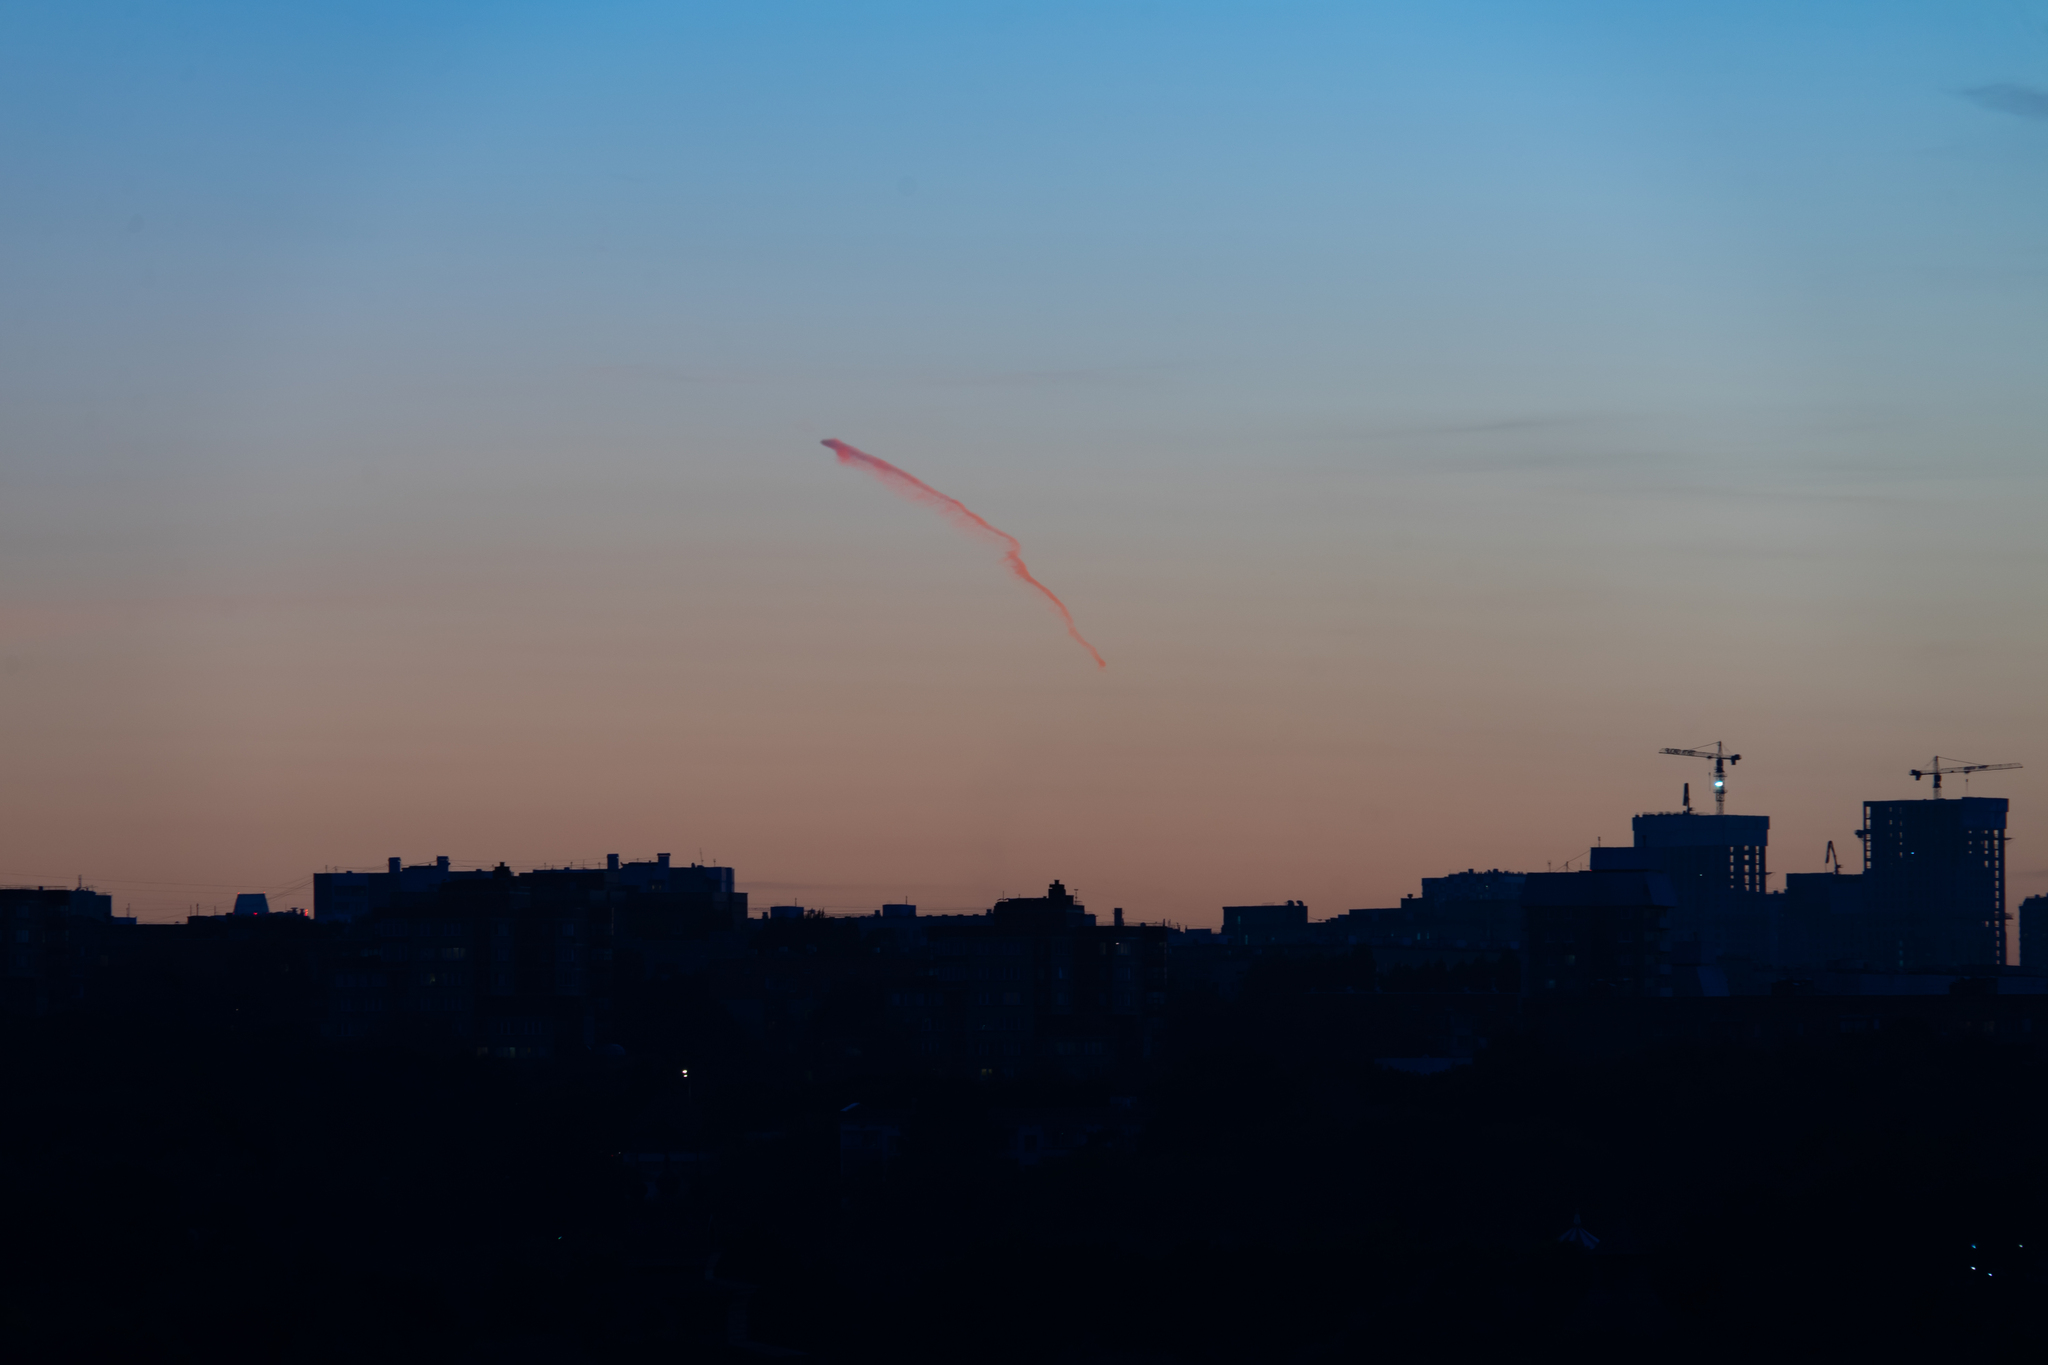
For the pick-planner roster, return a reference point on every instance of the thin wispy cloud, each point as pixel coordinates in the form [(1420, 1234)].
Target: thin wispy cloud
[(1127, 376), (2021, 101)]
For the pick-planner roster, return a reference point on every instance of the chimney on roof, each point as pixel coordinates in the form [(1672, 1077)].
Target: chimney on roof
[(392, 865), (661, 858), (1119, 913), (441, 863), (611, 862)]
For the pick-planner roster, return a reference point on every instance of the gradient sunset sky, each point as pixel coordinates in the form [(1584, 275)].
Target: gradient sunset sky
[(410, 421)]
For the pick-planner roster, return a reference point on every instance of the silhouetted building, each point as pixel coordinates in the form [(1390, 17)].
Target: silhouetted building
[(71, 900), (672, 920), (1472, 909), (1935, 874), (2034, 932), (510, 966), (238, 969), (352, 895), (1253, 925), (1463, 916), (1035, 985), (515, 966), (1716, 867), (1479, 905), (55, 942), (664, 877), (1601, 933), (1824, 921), (1404, 926)]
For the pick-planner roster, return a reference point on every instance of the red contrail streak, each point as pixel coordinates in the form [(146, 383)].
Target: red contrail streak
[(955, 511)]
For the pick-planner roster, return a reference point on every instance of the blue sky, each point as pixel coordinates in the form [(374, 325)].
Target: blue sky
[(1405, 398)]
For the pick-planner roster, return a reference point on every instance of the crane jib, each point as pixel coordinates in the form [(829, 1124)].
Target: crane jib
[(1721, 757)]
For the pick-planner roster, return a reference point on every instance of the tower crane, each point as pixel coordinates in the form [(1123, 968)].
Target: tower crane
[(1720, 758), (1935, 770)]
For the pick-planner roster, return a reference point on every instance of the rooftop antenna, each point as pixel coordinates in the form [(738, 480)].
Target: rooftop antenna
[(1935, 770), (1685, 798), (1720, 772)]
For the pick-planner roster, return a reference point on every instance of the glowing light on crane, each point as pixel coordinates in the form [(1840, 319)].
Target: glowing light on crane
[(1721, 762)]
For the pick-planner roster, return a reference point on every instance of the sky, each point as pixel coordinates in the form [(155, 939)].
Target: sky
[(410, 425)]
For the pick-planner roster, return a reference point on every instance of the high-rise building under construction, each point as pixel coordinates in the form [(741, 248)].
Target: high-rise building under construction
[(1934, 876), (1716, 865)]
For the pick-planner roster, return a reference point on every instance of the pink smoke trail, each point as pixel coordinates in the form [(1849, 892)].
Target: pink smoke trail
[(955, 511)]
